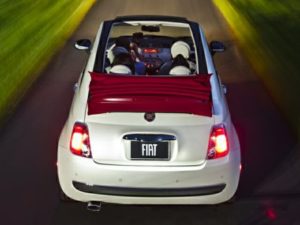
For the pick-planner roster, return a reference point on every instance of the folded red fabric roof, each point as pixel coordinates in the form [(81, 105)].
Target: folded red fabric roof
[(160, 94)]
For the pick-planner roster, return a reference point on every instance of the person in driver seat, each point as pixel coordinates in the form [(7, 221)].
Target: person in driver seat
[(122, 46), (123, 59)]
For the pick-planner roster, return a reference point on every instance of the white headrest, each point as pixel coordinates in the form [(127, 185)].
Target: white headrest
[(120, 69), (180, 70), (180, 47)]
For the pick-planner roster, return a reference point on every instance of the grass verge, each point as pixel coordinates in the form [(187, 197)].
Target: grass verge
[(268, 33), (31, 33)]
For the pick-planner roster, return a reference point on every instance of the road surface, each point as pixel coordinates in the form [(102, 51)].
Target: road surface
[(28, 190)]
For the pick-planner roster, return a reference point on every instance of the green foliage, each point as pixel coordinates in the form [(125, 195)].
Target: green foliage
[(278, 23), (275, 51), (31, 32)]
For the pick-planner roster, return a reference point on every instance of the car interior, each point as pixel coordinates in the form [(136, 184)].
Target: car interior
[(159, 49)]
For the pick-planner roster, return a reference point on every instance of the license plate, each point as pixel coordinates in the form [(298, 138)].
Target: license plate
[(150, 150)]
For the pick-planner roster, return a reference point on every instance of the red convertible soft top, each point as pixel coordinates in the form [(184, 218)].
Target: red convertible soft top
[(160, 94)]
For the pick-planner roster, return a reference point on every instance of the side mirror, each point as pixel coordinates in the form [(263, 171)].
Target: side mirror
[(216, 46), (83, 44)]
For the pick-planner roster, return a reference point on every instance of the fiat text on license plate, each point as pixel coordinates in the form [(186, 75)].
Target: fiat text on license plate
[(150, 150)]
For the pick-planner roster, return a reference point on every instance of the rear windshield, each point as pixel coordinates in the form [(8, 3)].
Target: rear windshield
[(153, 46)]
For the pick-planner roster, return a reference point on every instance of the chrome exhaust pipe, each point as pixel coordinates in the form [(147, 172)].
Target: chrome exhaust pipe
[(94, 206)]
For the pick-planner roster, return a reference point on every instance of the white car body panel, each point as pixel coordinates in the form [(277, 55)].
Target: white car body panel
[(91, 173), (113, 126)]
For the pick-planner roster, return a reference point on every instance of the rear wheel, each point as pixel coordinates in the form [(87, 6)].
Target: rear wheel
[(63, 197), (231, 200)]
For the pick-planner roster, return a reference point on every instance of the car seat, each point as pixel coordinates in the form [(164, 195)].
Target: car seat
[(180, 70), (120, 69), (179, 47)]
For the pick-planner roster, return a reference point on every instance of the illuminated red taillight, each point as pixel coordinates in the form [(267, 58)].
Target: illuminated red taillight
[(80, 141), (218, 143)]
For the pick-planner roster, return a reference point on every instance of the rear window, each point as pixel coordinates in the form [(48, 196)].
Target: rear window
[(151, 45)]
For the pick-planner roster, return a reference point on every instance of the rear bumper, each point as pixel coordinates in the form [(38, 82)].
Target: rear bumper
[(148, 192), (213, 182)]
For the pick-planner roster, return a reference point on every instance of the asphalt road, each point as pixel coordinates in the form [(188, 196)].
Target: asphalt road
[(28, 190)]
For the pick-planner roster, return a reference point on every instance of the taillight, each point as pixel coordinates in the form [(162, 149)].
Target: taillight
[(218, 143), (80, 141)]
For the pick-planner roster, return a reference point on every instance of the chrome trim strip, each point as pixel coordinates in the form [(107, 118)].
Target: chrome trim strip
[(149, 137)]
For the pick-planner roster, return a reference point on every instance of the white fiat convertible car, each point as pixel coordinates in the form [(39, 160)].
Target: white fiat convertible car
[(149, 122)]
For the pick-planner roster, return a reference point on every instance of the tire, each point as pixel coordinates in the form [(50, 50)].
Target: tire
[(231, 200), (63, 197)]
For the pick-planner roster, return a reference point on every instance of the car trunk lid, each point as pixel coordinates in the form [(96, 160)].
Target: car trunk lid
[(185, 135), (120, 131)]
